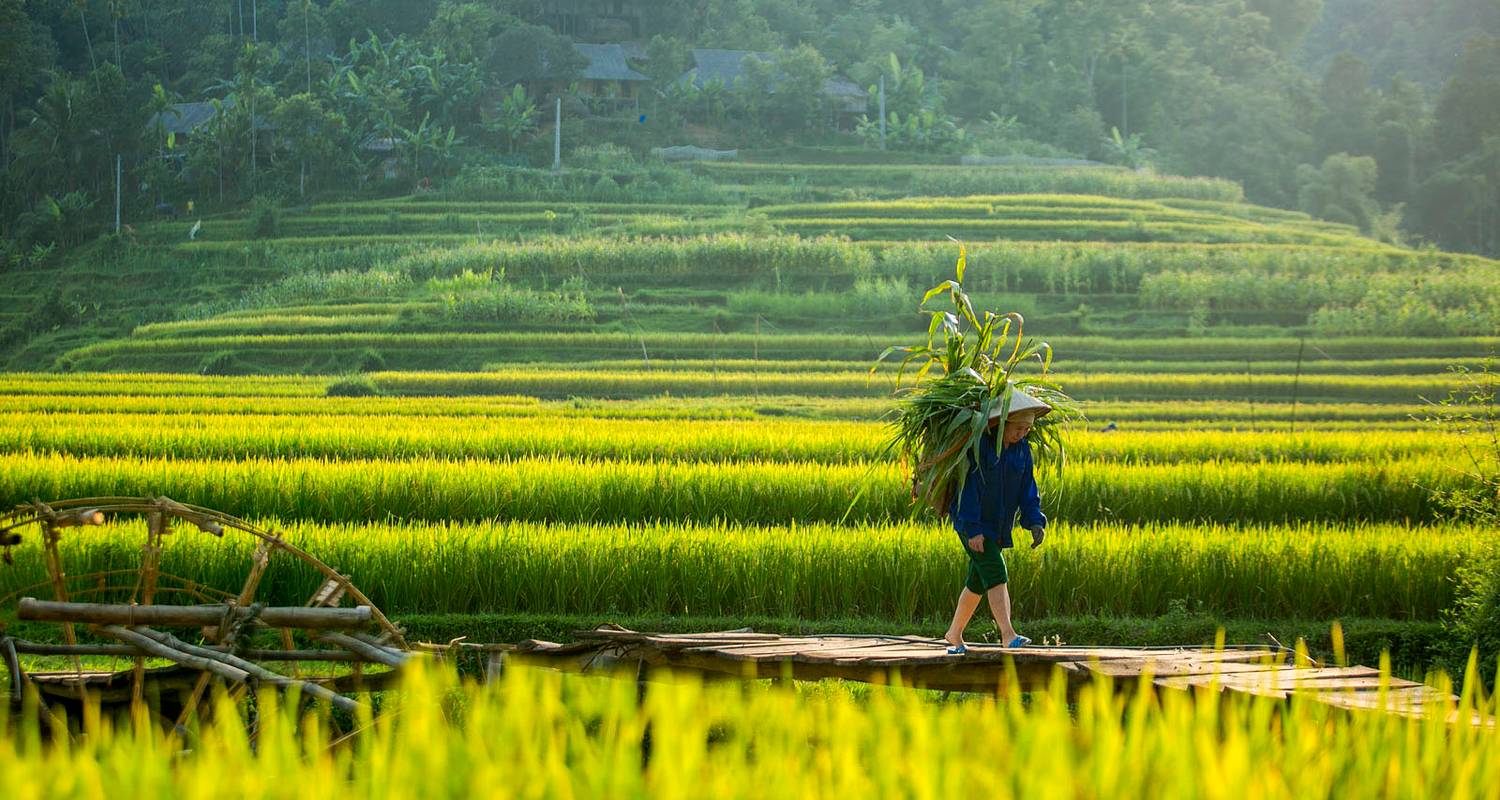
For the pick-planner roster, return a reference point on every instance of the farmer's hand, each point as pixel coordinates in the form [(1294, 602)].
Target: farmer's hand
[(976, 543), (1037, 534)]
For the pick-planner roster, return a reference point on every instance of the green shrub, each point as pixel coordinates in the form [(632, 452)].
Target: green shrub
[(370, 360), (222, 362), (265, 218), (502, 303), (353, 386), (1473, 623)]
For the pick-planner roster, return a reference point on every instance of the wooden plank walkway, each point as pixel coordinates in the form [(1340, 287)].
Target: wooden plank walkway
[(985, 668)]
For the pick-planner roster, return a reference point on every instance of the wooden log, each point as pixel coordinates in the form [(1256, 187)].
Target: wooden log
[(155, 648), (35, 610), (79, 518), (371, 652), (259, 672)]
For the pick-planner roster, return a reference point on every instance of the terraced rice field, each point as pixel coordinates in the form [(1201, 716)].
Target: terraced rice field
[(509, 417)]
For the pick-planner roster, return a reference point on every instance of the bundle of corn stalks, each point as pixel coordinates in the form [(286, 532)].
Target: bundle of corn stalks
[(966, 370)]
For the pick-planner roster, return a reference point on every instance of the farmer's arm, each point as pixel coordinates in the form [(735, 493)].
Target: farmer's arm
[(1031, 503)]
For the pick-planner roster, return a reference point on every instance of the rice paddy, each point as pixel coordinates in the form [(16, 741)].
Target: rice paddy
[(1291, 570), (692, 431)]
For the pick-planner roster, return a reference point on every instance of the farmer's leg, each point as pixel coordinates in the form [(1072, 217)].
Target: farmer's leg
[(968, 601), (999, 597), (997, 588)]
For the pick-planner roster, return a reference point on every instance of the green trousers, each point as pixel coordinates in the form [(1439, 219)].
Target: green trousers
[(986, 568)]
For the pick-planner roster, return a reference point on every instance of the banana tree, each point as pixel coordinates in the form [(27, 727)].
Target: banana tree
[(516, 117)]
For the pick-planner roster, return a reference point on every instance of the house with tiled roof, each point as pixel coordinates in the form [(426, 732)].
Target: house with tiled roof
[(607, 83)]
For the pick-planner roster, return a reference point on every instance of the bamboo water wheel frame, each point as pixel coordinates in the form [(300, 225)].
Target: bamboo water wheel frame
[(130, 599)]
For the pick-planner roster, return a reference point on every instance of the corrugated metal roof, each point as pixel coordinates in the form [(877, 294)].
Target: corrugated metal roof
[(607, 63)]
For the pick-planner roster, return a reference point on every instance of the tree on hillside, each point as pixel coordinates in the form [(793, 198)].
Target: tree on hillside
[(1402, 133), (464, 29), (515, 117), (58, 139), (1342, 190), (1349, 103), (527, 53), (307, 38), (313, 136), (1468, 109), (1290, 20), (1458, 203), (737, 25), (74, 130), (24, 55), (786, 92)]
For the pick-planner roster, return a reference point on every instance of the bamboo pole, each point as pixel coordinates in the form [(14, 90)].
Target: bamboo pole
[(259, 672), (12, 664), (172, 654), (32, 609), (124, 650), (371, 652)]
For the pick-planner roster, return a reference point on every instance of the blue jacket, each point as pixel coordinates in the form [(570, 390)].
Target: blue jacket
[(998, 487)]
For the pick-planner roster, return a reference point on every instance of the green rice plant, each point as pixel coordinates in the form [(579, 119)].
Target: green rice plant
[(553, 382), (1319, 365), (266, 323), (901, 180), (335, 309), (907, 572), (503, 430), (129, 384), (569, 736), (147, 398), (427, 204), (752, 492), (618, 345), (1059, 229)]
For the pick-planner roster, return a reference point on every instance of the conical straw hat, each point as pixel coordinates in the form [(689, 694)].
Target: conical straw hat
[(1021, 401)]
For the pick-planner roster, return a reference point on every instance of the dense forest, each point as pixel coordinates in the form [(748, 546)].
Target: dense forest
[(1377, 113)]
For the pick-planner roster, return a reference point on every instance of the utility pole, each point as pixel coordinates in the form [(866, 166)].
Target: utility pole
[(307, 42), (117, 193), (557, 138), (882, 111), (307, 59)]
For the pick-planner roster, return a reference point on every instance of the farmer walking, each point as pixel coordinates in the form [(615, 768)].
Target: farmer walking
[(998, 487)]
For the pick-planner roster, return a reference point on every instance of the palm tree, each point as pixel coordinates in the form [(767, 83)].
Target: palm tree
[(56, 127)]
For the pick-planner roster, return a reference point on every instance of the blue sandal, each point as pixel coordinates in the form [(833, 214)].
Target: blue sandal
[(1019, 641), (957, 650)]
